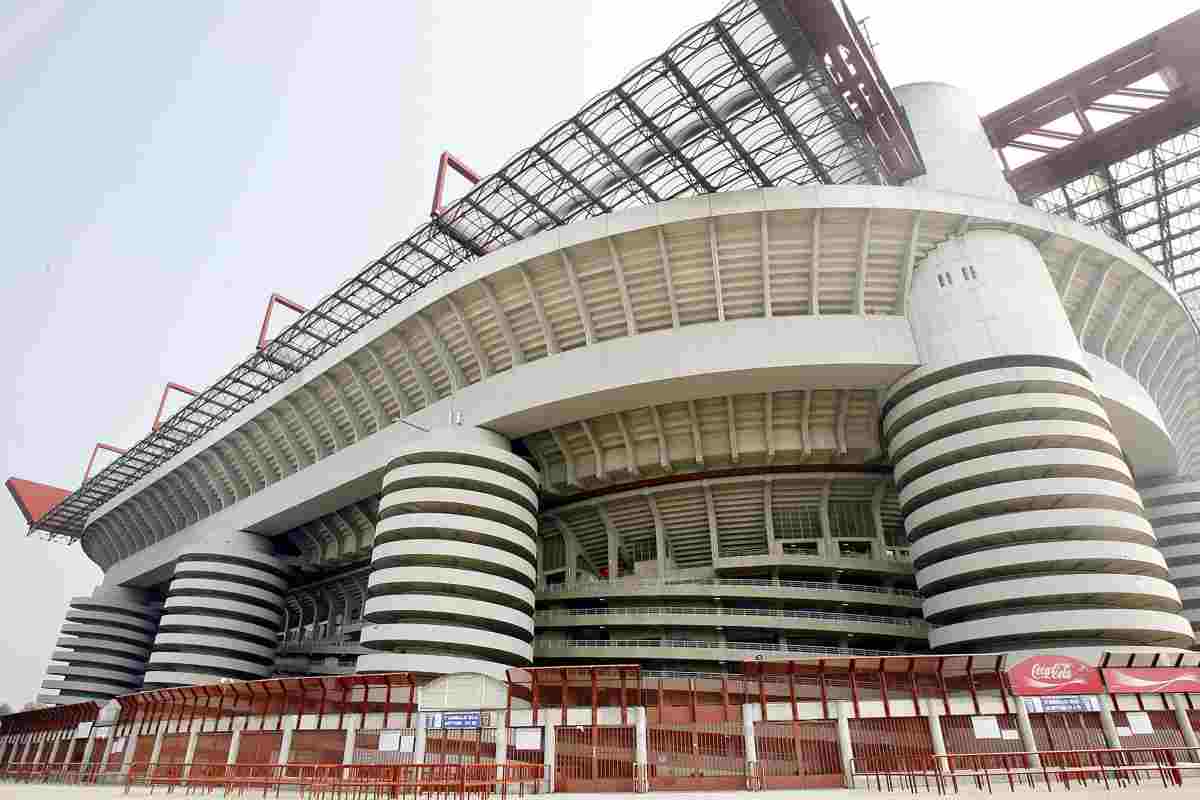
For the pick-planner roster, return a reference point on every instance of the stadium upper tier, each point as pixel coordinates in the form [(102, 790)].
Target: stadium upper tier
[(767, 93)]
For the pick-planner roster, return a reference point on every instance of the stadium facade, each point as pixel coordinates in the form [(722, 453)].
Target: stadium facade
[(754, 357)]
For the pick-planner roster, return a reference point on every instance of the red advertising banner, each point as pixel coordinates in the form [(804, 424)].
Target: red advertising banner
[(1044, 675), (1152, 680)]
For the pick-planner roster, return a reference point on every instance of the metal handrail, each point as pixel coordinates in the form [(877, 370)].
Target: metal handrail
[(542, 616), (566, 644), (326, 646), (658, 583)]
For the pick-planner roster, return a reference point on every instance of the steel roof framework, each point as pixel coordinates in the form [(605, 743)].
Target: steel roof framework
[(731, 105), (1150, 202)]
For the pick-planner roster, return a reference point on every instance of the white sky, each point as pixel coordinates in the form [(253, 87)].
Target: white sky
[(165, 166)]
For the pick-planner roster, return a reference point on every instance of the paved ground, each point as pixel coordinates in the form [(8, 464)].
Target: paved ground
[(1192, 790)]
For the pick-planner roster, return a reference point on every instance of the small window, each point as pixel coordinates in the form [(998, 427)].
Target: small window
[(966, 277), (800, 548), (941, 282), (973, 274), (949, 279), (854, 549)]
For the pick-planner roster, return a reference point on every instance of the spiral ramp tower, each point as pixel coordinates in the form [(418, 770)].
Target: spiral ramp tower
[(104, 646), (1026, 526), (1173, 506), (223, 611), (454, 564)]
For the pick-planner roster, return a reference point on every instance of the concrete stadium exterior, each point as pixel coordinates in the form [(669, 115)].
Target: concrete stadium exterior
[(837, 419)]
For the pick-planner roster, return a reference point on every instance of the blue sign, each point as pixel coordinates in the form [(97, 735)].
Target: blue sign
[(463, 719)]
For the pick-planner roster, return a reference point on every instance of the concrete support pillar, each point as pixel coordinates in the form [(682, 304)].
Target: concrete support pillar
[(193, 741), (419, 740), (1110, 727), (109, 742), (235, 741), (285, 746), (845, 746), (501, 744), (641, 751), (351, 741), (127, 753), (1028, 740), (348, 750), (156, 750), (750, 714), (88, 748), (933, 717), (548, 752), (1179, 705)]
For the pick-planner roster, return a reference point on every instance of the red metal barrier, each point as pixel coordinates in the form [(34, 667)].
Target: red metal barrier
[(797, 755), (443, 781), (1113, 769), (697, 755), (594, 759)]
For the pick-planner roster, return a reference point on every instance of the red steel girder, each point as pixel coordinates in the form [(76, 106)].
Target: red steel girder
[(1169, 52)]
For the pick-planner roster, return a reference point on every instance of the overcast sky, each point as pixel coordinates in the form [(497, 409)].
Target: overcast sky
[(164, 167)]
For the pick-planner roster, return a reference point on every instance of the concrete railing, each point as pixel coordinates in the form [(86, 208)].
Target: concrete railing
[(567, 644), (765, 583), (831, 616)]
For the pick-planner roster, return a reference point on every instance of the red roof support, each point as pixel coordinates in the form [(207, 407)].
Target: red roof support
[(99, 446), (162, 402), (283, 301), (439, 187)]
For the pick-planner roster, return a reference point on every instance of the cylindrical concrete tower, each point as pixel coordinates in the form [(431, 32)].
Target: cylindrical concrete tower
[(455, 559), (104, 646), (1026, 526), (222, 615)]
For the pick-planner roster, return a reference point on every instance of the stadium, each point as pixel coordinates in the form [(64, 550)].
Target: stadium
[(793, 394)]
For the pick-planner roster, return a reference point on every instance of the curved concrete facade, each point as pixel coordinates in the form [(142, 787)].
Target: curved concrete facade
[(454, 564), (694, 432), (222, 614)]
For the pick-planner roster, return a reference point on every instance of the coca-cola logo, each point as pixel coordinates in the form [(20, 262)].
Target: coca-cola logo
[(1054, 675), (1058, 671)]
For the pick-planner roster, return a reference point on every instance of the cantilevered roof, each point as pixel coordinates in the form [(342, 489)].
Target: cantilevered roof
[(767, 93)]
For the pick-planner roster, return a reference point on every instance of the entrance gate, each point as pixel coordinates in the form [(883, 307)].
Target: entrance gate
[(696, 755), (594, 758), (798, 755)]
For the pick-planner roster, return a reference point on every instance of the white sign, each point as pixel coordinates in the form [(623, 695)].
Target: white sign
[(1139, 722), (527, 738), (408, 744), (389, 741), (1010, 734), (118, 745), (1063, 703), (1123, 731), (986, 728), (84, 730)]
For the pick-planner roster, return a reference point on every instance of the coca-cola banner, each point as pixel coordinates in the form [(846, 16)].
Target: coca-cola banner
[(1042, 675), (1138, 680)]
